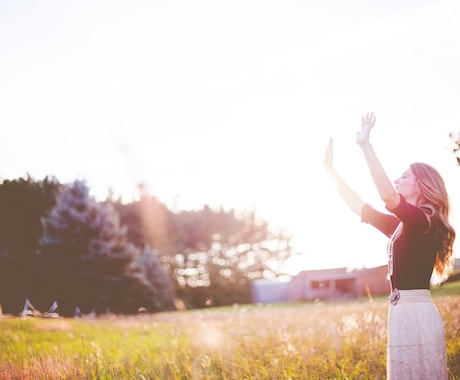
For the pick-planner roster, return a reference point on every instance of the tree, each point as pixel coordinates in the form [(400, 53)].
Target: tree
[(23, 202), (455, 147), (149, 223), (88, 258), (159, 282), (222, 253)]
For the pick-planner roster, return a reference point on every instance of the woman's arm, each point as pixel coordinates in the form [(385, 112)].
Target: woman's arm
[(350, 197), (384, 186)]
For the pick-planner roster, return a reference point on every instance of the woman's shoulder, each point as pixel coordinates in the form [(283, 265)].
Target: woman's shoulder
[(414, 216)]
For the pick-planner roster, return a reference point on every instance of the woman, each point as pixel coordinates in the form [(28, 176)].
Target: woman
[(420, 243)]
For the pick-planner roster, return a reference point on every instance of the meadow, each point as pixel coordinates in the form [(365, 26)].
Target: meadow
[(310, 340)]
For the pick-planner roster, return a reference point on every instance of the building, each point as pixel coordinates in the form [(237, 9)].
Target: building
[(335, 283), (270, 291)]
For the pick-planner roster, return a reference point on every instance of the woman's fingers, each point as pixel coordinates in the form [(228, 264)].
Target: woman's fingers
[(328, 154), (368, 120)]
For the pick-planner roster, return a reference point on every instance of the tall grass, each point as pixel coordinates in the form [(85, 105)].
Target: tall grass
[(323, 340)]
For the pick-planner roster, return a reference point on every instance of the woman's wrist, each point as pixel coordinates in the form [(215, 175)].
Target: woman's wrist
[(366, 146)]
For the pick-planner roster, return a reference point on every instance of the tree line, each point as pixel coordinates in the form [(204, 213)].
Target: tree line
[(58, 244)]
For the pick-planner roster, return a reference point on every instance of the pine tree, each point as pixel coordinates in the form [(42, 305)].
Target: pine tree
[(88, 257), (23, 202), (161, 284)]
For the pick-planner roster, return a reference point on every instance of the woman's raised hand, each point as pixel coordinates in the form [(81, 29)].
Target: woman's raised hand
[(328, 155), (367, 123)]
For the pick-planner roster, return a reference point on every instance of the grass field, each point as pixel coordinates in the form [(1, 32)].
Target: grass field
[(322, 340)]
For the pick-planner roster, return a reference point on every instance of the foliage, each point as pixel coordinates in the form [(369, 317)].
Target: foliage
[(92, 252), (455, 145), (212, 255), (157, 279), (149, 223), (222, 253), (23, 202), (88, 261), (333, 340)]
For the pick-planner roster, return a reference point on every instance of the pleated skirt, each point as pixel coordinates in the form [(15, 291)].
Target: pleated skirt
[(416, 341)]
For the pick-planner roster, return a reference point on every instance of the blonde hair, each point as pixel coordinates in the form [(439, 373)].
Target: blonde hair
[(433, 198)]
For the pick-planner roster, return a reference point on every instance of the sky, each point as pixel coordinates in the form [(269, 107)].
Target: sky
[(232, 104)]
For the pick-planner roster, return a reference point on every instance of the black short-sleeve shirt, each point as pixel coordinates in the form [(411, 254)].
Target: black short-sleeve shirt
[(414, 250)]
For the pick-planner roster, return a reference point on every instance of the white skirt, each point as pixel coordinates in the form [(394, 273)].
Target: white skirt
[(416, 342)]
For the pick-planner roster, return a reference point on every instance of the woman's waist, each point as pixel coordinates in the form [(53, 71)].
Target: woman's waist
[(410, 296)]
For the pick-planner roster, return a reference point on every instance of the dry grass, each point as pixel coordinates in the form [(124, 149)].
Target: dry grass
[(334, 340)]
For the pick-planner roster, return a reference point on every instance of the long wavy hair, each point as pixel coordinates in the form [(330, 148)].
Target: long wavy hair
[(434, 199)]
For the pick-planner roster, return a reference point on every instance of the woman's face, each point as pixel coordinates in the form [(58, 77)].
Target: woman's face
[(406, 186)]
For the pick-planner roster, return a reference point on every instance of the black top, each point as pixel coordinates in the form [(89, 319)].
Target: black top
[(414, 250)]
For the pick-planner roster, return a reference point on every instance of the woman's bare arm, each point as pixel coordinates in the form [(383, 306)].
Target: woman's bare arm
[(351, 198), (384, 186)]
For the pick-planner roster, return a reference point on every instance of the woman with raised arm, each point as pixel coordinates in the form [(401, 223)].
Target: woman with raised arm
[(420, 244)]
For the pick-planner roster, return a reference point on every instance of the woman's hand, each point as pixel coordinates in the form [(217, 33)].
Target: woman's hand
[(367, 123), (328, 155)]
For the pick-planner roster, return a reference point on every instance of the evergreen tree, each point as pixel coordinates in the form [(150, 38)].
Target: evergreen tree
[(149, 223), (23, 202), (161, 283), (88, 257)]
